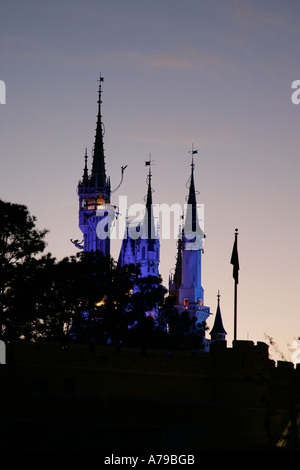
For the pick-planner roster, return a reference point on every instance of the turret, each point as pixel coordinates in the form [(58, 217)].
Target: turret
[(189, 258), (95, 212), (144, 247), (218, 332)]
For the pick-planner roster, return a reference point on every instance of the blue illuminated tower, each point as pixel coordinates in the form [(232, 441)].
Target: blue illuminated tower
[(147, 253), (141, 241), (186, 283), (95, 212)]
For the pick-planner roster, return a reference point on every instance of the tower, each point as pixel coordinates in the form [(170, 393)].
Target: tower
[(218, 332), (186, 282), (95, 212), (141, 241)]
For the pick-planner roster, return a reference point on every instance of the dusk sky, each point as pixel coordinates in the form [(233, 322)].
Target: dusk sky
[(213, 74)]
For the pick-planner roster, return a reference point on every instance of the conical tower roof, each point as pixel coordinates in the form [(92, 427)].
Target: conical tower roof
[(191, 224), (218, 328), (98, 166)]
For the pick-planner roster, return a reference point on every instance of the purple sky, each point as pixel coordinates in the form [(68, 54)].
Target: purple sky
[(214, 74)]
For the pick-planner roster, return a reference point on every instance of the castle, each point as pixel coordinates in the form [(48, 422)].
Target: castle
[(159, 403), (96, 215)]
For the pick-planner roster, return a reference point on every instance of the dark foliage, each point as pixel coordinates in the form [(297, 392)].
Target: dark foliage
[(20, 243), (87, 297)]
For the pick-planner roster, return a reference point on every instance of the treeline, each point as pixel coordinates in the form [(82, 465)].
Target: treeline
[(84, 298)]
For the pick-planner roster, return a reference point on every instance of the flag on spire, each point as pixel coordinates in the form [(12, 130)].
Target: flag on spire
[(235, 260), (149, 162)]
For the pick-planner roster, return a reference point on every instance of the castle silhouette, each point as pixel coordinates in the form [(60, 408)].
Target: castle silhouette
[(96, 215)]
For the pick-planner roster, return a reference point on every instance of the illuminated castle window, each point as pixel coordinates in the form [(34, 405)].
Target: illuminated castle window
[(91, 204), (100, 201), (186, 301)]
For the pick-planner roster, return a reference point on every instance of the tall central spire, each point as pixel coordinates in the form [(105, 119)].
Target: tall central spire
[(98, 167), (94, 196)]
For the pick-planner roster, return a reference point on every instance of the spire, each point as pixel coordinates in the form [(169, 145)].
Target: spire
[(192, 192), (85, 178), (192, 198), (218, 332), (149, 192), (191, 222), (98, 167)]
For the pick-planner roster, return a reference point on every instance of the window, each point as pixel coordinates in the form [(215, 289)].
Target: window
[(186, 301)]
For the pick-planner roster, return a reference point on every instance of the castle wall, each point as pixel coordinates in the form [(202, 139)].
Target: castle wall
[(236, 396)]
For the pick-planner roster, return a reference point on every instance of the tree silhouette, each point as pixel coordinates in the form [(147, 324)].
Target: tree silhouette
[(183, 331), (116, 312), (19, 237), (87, 297), (147, 295), (21, 245)]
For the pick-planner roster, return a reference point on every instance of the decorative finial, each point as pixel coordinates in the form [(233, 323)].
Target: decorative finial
[(101, 79), (149, 163), (193, 152)]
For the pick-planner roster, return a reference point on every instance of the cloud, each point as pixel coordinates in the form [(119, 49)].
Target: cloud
[(190, 60), (249, 14)]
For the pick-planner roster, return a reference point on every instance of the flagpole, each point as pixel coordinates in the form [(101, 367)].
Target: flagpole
[(235, 309), (235, 262)]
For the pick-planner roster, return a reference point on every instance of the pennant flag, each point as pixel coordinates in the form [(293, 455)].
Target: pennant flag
[(194, 151), (235, 261)]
